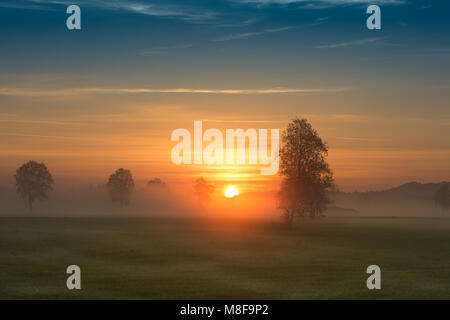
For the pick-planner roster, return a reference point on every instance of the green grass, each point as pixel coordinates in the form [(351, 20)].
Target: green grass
[(186, 259)]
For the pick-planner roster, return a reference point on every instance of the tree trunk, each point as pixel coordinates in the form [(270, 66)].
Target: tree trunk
[(290, 217), (30, 204)]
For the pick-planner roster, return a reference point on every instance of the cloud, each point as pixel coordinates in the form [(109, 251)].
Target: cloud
[(319, 3), (250, 34), (341, 117), (18, 5), (74, 91), (160, 9), (90, 139), (352, 139), (240, 24), (237, 121), (348, 43), (166, 10), (183, 10), (357, 118)]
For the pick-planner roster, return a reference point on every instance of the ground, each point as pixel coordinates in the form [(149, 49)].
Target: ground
[(191, 259)]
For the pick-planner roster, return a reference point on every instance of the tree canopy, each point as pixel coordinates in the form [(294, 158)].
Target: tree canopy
[(33, 182), (306, 175), (120, 186), (155, 181)]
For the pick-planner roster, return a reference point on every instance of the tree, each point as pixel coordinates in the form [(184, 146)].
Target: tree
[(306, 175), (442, 197), (33, 182), (156, 182), (158, 189), (203, 190), (120, 186)]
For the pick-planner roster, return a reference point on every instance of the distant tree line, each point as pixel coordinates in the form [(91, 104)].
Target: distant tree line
[(35, 182), (305, 175)]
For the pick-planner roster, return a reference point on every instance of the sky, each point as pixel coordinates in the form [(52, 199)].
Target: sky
[(89, 101)]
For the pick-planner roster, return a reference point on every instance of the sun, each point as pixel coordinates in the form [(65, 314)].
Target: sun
[(231, 192)]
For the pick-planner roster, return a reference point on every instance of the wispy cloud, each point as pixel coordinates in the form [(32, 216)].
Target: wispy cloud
[(23, 5), (348, 43), (319, 3), (352, 139), (166, 10), (161, 9), (48, 136), (240, 24), (74, 91), (237, 121), (250, 34)]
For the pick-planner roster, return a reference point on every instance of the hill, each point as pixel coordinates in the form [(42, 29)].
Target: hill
[(410, 199)]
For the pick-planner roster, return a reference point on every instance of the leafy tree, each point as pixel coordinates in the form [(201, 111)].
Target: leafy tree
[(33, 182), (156, 182), (158, 189), (306, 175), (442, 197), (120, 186), (203, 190)]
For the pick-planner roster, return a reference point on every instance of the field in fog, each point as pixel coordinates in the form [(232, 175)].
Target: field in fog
[(198, 259)]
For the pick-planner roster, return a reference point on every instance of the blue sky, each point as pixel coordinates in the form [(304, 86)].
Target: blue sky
[(229, 44), (199, 34)]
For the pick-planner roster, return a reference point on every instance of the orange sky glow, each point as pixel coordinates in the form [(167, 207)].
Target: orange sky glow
[(83, 137)]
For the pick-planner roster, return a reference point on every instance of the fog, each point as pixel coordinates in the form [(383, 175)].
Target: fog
[(147, 201), (172, 201)]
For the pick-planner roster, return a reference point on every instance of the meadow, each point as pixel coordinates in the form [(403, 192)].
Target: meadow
[(153, 258)]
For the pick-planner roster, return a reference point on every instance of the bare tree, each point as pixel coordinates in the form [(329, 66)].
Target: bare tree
[(120, 186), (306, 175), (442, 197), (33, 182), (203, 190)]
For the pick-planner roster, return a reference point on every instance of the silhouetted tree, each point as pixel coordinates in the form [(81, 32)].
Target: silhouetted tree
[(156, 182), (306, 175), (442, 197), (120, 186), (33, 182), (203, 190), (157, 189)]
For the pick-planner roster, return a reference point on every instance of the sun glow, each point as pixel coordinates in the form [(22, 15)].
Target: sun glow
[(231, 192)]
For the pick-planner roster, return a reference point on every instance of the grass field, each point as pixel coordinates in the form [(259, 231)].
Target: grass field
[(187, 259)]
